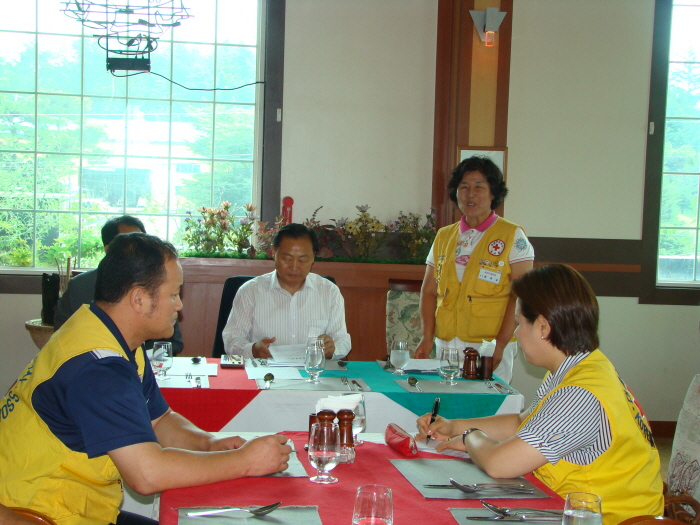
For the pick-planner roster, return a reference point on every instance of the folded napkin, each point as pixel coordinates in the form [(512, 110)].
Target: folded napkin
[(487, 348), (335, 403)]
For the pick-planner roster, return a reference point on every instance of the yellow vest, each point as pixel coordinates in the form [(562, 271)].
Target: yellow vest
[(626, 476), (37, 470), (473, 309)]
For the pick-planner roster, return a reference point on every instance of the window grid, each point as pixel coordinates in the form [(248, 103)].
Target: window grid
[(169, 214)]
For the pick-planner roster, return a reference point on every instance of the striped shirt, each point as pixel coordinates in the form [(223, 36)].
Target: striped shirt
[(571, 424), (262, 308)]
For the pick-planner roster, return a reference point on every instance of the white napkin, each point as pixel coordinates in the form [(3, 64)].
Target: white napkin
[(487, 348), (335, 403)]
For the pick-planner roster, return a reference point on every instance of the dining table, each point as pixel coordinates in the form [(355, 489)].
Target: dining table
[(233, 402), (372, 465)]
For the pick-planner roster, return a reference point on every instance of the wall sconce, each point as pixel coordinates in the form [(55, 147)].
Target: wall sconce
[(487, 23)]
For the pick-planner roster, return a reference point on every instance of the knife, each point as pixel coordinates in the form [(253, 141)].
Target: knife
[(514, 518), (359, 387)]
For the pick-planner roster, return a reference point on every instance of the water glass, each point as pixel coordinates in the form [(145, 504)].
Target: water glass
[(582, 508), (315, 359), (162, 359), (324, 451), (399, 356), (373, 506), (359, 423), (449, 365)]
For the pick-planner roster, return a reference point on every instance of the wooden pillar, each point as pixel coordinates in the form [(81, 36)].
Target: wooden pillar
[(471, 91)]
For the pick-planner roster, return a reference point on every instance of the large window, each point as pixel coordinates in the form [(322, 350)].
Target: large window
[(679, 228), (78, 145)]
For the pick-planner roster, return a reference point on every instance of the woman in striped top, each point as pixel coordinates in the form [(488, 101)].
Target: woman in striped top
[(584, 432)]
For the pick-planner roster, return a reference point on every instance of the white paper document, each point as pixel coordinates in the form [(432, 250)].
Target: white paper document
[(184, 365), (428, 365), (287, 355)]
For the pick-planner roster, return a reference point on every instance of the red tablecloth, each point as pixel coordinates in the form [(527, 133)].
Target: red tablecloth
[(211, 408), (336, 501)]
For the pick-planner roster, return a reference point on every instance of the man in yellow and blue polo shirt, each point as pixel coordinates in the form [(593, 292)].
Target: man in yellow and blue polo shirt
[(86, 414)]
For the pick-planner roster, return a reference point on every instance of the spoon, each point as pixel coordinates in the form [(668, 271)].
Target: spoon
[(269, 378), (260, 511), (504, 511), (506, 487), (196, 360), (414, 383), (342, 364)]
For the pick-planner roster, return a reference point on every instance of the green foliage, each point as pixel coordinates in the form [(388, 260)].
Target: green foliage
[(217, 231)]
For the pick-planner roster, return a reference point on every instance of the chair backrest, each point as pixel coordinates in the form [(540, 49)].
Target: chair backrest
[(649, 520), (684, 466), (231, 287), (403, 317)]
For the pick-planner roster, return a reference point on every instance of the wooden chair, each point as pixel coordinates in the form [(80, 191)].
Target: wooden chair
[(33, 516), (649, 520)]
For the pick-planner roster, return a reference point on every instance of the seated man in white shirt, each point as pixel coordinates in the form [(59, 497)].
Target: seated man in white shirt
[(288, 305)]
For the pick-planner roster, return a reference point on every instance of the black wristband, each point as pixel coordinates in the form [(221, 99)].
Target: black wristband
[(466, 433)]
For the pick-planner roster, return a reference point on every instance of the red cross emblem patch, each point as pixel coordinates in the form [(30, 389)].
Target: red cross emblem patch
[(496, 247)]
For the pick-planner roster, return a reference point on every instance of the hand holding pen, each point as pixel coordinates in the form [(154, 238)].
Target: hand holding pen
[(433, 415)]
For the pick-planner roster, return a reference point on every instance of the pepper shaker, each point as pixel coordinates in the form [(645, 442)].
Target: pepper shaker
[(470, 370)]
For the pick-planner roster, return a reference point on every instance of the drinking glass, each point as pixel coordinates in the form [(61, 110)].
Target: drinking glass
[(324, 451), (162, 359), (359, 423), (315, 359), (373, 506), (582, 508), (399, 356), (449, 365)]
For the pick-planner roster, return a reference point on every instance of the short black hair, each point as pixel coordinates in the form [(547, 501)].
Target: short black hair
[(485, 166), (111, 228), (564, 298), (294, 230), (133, 259)]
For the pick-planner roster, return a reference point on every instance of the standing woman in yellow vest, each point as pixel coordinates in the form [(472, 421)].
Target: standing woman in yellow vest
[(584, 432), (465, 297)]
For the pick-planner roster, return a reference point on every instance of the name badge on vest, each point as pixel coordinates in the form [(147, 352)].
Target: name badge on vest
[(491, 276)]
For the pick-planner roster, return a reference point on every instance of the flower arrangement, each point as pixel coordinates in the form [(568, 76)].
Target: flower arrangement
[(217, 233), (216, 230), (366, 232), (415, 237)]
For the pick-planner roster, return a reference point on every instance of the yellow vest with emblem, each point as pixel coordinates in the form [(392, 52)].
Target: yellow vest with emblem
[(626, 476), (473, 309), (37, 470)]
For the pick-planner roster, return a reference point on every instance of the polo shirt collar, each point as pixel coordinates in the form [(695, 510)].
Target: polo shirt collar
[(107, 321), (463, 226)]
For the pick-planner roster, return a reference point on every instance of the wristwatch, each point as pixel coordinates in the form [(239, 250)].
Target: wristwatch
[(466, 433)]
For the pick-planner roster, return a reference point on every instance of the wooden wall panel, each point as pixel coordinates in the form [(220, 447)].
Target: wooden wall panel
[(364, 288)]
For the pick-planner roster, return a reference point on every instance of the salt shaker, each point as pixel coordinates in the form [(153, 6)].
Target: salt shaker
[(470, 370)]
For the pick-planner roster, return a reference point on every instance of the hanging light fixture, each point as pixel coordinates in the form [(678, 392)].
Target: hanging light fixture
[(129, 30)]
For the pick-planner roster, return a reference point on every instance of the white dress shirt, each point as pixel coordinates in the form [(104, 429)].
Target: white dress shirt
[(262, 308)]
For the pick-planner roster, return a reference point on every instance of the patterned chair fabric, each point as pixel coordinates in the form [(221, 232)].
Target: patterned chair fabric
[(684, 467), (403, 318)]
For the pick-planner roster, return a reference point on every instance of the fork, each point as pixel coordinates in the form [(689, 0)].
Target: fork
[(260, 511), (345, 381)]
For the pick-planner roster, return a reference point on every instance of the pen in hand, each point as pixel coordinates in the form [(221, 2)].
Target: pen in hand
[(433, 415)]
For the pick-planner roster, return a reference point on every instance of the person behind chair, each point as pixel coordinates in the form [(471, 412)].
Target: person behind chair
[(87, 413), (584, 432), (81, 288), (288, 305)]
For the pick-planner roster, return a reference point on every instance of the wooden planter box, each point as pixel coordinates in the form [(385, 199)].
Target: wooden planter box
[(364, 287)]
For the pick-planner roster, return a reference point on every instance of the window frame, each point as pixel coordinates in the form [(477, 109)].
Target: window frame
[(267, 174), (650, 292)]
